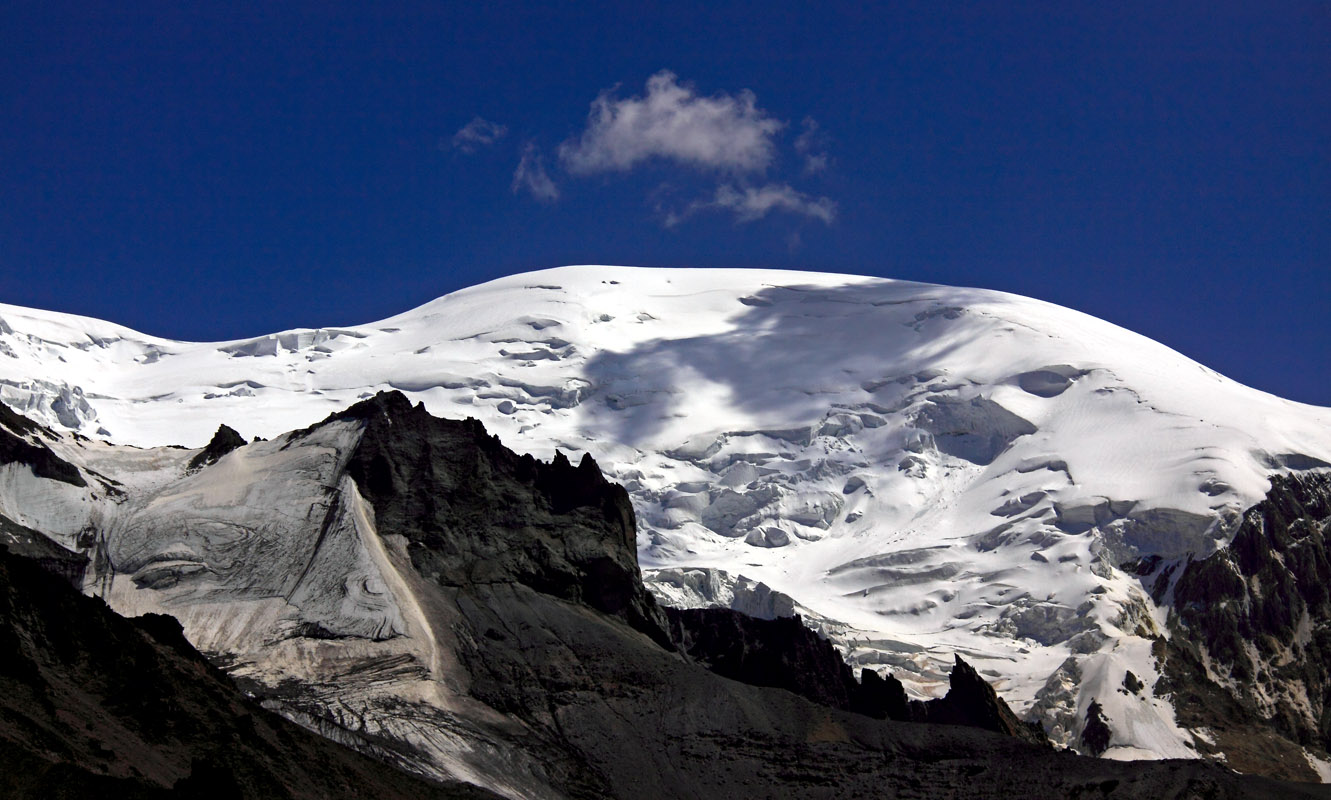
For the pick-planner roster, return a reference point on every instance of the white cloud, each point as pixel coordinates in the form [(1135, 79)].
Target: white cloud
[(728, 133), (478, 133), (532, 177), (812, 144), (753, 203)]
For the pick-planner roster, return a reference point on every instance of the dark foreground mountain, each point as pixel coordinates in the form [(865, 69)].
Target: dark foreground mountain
[(410, 587)]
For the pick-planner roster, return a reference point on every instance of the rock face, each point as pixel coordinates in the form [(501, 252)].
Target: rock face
[(95, 705), (15, 449), (1096, 735), (224, 441), (474, 511), (35, 547), (785, 654), (1250, 645), (970, 700), (409, 587)]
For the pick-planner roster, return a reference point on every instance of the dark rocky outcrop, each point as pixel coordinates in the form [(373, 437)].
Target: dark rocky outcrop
[(784, 654), (41, 550), (1249, 655), (96, 705), (476, 512), (20, 425), (971, 701), (16, 447), (1095, 735), (223, 442)]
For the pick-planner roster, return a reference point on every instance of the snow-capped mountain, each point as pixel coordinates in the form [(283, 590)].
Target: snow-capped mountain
[(920, 470)]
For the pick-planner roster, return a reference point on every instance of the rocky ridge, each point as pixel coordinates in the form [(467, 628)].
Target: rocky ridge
[(783, 653), (1249, 651)]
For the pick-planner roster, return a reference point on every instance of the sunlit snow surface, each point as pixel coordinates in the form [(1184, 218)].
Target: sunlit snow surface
[(927, 469)]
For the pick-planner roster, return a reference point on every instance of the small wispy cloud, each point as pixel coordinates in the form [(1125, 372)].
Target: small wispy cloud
[(794, 242), (812, 144), (725, 136), (724, 132), (751, 203), (530, 176), (477, 134)]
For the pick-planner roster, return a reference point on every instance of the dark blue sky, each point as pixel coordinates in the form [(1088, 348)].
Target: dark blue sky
[(203, 174)]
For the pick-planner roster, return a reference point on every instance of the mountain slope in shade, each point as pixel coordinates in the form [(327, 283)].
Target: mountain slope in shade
[(926, 470)]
